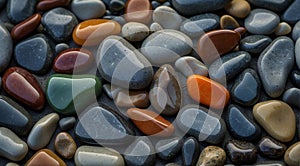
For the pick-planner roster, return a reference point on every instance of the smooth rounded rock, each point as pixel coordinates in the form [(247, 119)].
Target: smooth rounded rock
[(271, 148), (282, 29), (45, 5), (188, 66), (6, 47), (154, 27), (255, 44), (117, 5), (270, 163), (167, 17), (291, 156), (61, 47), (228, 22), (167, 149), (18, 11), (241, 152), (276, 6), (297, 53), (291, 14), (134, 31), (88, 9), (138, 11), (139, 99), (295, 78), (45, 157), (238, 8), (65, 145), (212, 156), (190, 151), (67, 123), (296, 31), (292, 97)]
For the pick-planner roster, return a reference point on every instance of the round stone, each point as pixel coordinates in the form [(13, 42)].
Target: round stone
[(282, 29), (241, 152), (67, 123), (212, 156), (238, 8), (117, 5), (291, 156), (65, 145), (6, 47), (134, 31), (167, 17), (154, 27), (61, 47), (228, 22), (88, 9)]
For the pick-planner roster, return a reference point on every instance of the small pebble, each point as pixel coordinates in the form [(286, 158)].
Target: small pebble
[(292, 97), (282, 29), (139, 99), (238, 8), (190, 151), (241, 152), (228, 22), (167, 17), (212, 156), (65, 145), (188, 66), (154, 27), (295, 78), (88, 9), (45, 157), (271, 148), (292, 154), (67, 123), (117, 5), (61, 47), (254, 44), (134, 31)]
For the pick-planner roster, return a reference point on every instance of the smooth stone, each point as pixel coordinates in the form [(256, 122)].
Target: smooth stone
[(197, 25), (45, 5), (150, 123), (241, 152), (274, 65), (238, 8), (247, 88), (12, 147), (270, 163), (167, 149), (117, 5), (240, 125), (18, 11), (212, 156), (189, 65), (92, 32), (59, 23), (122, 64), (196, 121), (12, 164), (78, 92), (45, 157), (165, 91), (42, 131), (61, 47), (67, 123), (6, 47), (255, 44), (291, 14), (291, 156), (261, 21), (2, 3), (73, 60), (296, 31), (139, 99), (166, 46), (14, 116), (167, 17), (112, 129), (138, 11), (282, 29), (93, 155), (276, 6), (271, 148), (88, 9), (65, 145), (292, 97), (34, 54), (207, 92), (190, 151), (26, 27), (228, 22), (134, 31), (111, 90), (297, 53), (23, 86), (229, 65), (154, 27), (277, 118), (191, 7), (295, 78), (140, 152), (155, 4)]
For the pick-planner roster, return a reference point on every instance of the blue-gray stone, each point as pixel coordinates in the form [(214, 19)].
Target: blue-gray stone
[(297, 52), (292, 97), (61, 47), (292, 14), (276, 6), (6, 47), (167, 149), (190, 151), (117, 5), (88, 9), (254, 44), (296, 31), (18, 11), (67, 123), (295, 78)]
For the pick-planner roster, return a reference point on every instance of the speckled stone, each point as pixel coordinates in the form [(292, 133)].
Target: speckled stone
[(228, 22), (188, 66), (212, 156), (134, 31), (67, 123), (88, 9), (282, 29), (18, 11), (291, 156), (276, 6), (6, 47), (292, 97), (190, 151), (271, 148), (292, 14), (65, 145), (45, 157), (167, 17), (241, 152), (167, 149), (255, 44)]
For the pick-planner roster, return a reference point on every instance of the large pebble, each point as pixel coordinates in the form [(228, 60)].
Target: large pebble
[(255, 44), (167, 17), (65, 145), (134, 31), (276, 6), (188, 66), (291, 14), (241, 152), (212, 156), (138, 11), (271, 148), (238, 8), (291, 156), (88, 9), (167, 149), (6, 47), (45, 157), (292, 97), (18, 11), (190, 151)]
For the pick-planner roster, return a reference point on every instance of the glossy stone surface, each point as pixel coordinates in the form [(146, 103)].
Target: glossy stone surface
[(241, 152), (18, 11), (228, 22), (167, 149), (79, 92), (270, 163), (212, 156), (88, 9), (167, 17), (65, 145), (154, 27), (291, 14), (112, 128), (296, 31), (50, 4), (255, 44), (271, 148), (123, 65), (190, 151), (188, 66), (282, 29), (67, 123), (291, 97), (138, 11), (23, 86), (238, 8), (276, 6), (61, 47), (297, 53), (45, 157), (295, 78), (6, 47), (139, 99), (134, 31), (291, 156)]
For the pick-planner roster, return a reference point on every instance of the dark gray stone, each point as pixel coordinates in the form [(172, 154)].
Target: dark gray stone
[(190, 151), (88, 9), (18, 11), (292, 97), (61, 47), (6, 47), (295, 78), (296, 31), (67, 123), (241, 152), (270, 148), (270, 163), (292, 14), (255, 44), (297, 52), (167, 149), (276, 6)]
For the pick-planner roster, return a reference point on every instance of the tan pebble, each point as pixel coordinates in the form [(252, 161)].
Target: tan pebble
[(212, 156), (292, 155), (282, 29), (65, 145), (238, 8), (228, 22), (134, 31)]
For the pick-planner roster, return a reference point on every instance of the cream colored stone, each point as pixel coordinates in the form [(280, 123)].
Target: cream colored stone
[(292, 155)]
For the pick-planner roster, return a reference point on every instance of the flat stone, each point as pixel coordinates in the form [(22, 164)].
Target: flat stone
[(93, 155), (138, 11), (167, 17), (190, 151), (65, 145), (291, 14), (261, 21), (255, 44), (139, 99), (291, 156), (297, 53), (167, 149), (123, 65), (274, 65), (196, 121), (12, 147), (271, 148), (292, 97), (276, 6), (212, 156), (188, 66), (228, 22), (88, 9), (134, 31), (277, 118), (67, 123), (238, 8), (295, 78), (296, 31), (282, 29), (6, 47), (18, 11), (41, 133), (59, 23), (46, 5), (166, 46), (45, 157), (241, 152)]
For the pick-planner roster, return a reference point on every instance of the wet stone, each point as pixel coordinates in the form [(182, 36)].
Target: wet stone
[(190, 151), (255, 44), (297, 53), (228, 22), (188, 66), (88, 9), (67, 123), (212, 156), (296, 31), (241, 152), (291, 156), (276, 6), (6, 47), (139, 99), (18, 11), (45, 157), (291, 14), (292, 97), (238, 8), (283, 28), (154, 27), (50, 4), (138, 11), (117, 5), (65, 145), (167, 149), (271, 148), (295, 78), (167, 17), (61, 47), (270, 163), (135, 32)]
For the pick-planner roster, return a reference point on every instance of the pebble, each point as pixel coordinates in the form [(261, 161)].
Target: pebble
[(261, 22), (117, 5), (276, 6), (26, 27), (238, 8), (165, 91), (291, 15), (296, 31), (191, 7), (229, 65), (196, 121), (112, 90), (167, 17), (117, 66), (61, 47), (140, 152), (292, 97), (41, 133), (295, 78), (12, 147), (214, 95), (247, 88), (19, 11), (14, 116), (6, 47), (190, 151), (139, 99), (155, 4), (291, 156), (240, 125), (45, 5), (189, 65), (274, 65), (73, 60), (167, 149), (138, 11), (45, 157), (297, 53), (154, 27), (111, 128), (92, 32), (166, 46), (22, 86), (88, 9), (212, 156), (59, 23), (93, 155), (277, 118), (228, 22), (65, 145), (150, 123), (254, 44), (282, 29), (270, 163), (134, 31), (12, 164), (241, 152), (271, 148), (34, 54), (67, 123), (72, 100)]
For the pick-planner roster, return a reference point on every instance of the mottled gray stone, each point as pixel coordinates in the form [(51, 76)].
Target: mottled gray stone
[(88, 9), (6, 47)]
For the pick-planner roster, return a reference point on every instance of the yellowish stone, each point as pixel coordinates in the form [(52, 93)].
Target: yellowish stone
[(228, 22), (292, 155), (238, 8)]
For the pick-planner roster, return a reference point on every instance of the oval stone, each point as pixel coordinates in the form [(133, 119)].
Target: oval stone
[(297, 52), (6, 47), (88, 9), (241, 152), (296, 31), (276, 6), (45, 5), (18, 11), (292, 97), (228, 22), (167, 17), (212, 156), (65, 145), (291, 156), (167, 149), (271, 148), (190, 151), (45, 157), (283, 28), (67, 123), (238, 8), (23, 86), (188, 66), (138, 11), (255, 44), (139, 99), (134, 31)]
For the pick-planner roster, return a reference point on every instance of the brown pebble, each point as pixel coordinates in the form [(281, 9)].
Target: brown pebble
[(138, 99), (228, 22), (45, 5), (238, 8), (65, 145), (45, 157)]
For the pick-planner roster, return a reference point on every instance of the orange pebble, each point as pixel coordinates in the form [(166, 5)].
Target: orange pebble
[(138, 11), (45, 157)]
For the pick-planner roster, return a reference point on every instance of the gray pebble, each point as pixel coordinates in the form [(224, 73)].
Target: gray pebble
[(167, 17), (88, 9), (67, 123), (297, 52), (134, 31), (189, 65), (296, 31), (61, 47), (12, 164), (292, 97), (6, 47), (154, 27)]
